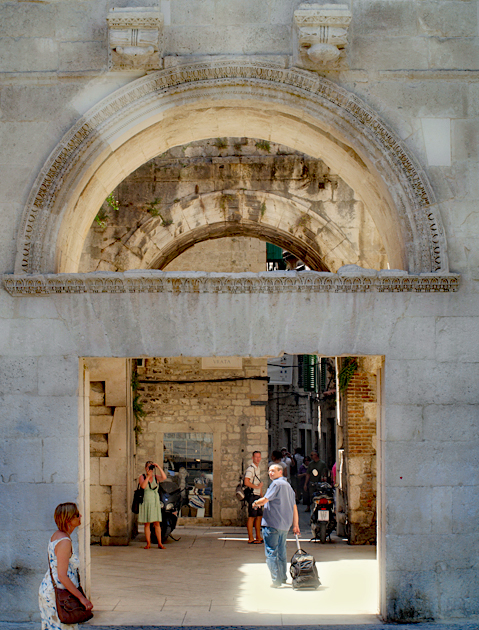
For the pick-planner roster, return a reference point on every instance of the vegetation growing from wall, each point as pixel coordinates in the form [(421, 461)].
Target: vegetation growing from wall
[(263, 145), (346, 373), (138, 411)]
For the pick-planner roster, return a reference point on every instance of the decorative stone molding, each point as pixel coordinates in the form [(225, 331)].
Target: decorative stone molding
[(134, 36), (308, 91), (365, 281), (322, 32)]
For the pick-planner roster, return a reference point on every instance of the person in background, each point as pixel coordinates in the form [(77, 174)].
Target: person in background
[(277, 458), (150, 509), (302, 470), (317, 469), (287, 459), (298, 456), (279, 512), (64, 567), (255, 485)]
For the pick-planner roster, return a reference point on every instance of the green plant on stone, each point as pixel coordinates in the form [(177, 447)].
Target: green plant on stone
[(263, 209), (153, 207), (346, 373), (102, 217), (263, 145), (221, 143), (112, 202)]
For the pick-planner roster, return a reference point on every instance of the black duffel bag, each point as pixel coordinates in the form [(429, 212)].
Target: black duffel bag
[(303, 570)]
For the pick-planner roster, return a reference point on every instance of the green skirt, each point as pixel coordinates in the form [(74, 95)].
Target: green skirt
[(150, 510)]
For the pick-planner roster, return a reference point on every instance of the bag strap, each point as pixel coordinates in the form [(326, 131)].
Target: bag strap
[(51, 574)]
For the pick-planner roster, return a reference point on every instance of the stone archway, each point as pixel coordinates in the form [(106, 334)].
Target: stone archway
[(290, 224), (236, 98)]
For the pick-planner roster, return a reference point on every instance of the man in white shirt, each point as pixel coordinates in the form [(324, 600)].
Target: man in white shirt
[(253, 482)]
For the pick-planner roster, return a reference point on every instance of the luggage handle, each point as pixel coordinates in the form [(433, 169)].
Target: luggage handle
[(297, 542)]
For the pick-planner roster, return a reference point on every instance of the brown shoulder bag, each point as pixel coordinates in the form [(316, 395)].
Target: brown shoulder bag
[(70, 610)]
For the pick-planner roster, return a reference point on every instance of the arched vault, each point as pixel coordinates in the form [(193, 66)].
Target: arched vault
[(236, 98), (258, 214)]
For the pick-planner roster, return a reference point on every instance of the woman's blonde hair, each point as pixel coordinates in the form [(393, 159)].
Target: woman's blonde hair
[(64, 513)]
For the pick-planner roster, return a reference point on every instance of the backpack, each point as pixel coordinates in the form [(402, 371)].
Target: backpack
[(240, 490), (243, 493)]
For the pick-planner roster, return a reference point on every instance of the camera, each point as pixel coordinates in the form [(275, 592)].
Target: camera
[(151, 467)]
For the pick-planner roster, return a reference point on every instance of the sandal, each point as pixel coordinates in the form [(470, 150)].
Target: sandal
[(258, 542), (251, 542)]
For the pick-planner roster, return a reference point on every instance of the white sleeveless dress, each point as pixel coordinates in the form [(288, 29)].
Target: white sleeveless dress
[(46, 595)]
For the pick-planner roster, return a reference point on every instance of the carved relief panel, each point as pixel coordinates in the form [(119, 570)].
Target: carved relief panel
[(135, 38), (322, 35)]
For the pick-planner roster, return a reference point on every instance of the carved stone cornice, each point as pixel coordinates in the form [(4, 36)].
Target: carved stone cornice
[(244, 76), (369, 281)]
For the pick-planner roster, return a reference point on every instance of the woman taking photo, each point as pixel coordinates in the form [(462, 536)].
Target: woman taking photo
[(64, 568), (150, 510)]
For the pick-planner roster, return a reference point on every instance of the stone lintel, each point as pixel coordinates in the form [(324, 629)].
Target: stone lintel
[(154, 281)]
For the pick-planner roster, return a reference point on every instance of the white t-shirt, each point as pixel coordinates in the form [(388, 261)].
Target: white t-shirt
[(299, 460), (287, 462), (252, 473)]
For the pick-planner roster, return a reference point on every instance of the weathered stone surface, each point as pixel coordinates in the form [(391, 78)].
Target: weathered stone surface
[(98, 445), (100, 424), (409, 61), (100, 499)]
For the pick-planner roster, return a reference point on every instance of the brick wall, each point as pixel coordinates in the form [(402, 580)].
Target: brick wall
[(222, 408), (361, 410)]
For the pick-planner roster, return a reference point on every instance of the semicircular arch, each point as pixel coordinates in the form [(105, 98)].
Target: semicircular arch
[(243, 98), (289, 223)]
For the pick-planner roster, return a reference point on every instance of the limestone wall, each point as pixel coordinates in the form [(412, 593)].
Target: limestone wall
[(415, 64), (215, 401)]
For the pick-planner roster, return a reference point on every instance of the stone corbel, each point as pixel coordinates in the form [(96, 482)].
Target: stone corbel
[(135, 38), (322, 35)]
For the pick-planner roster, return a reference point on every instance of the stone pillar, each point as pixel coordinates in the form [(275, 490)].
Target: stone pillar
[(84, 474), (111, 437)]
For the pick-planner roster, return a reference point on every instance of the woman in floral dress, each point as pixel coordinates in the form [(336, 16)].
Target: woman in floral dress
[(64, 564)]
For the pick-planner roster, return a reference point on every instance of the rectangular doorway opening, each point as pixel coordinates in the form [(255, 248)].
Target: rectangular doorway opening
[(201, 419)]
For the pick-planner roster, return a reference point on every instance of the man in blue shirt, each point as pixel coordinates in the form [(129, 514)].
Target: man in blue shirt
[(279, 512)]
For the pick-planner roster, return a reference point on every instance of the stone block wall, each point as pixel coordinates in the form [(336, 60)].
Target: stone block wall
[(360, 441), (231, 255), (111, 444), (206, 404)]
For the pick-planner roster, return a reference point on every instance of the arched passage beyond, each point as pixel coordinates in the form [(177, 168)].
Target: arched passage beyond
[(242, 98), (258, 214)]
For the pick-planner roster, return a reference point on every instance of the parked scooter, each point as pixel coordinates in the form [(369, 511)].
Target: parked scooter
[(323, 515), (171, 501)]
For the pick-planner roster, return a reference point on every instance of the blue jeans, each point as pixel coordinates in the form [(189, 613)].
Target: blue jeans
[(275, 550)]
